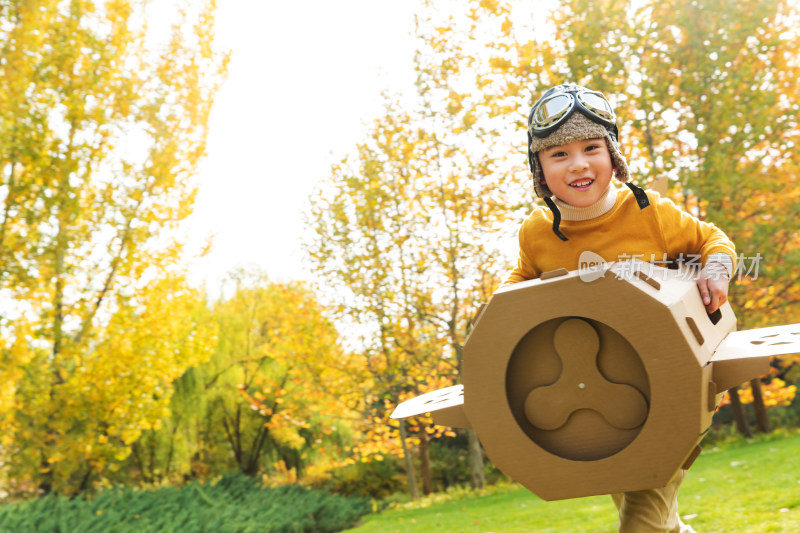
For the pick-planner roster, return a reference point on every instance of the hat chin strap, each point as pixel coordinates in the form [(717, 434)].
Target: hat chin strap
[(639, 194), (556, 218)]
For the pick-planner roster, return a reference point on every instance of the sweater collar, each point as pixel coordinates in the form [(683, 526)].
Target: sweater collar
[(600, 207)]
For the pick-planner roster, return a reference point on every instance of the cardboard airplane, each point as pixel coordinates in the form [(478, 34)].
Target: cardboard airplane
[(599, 380)]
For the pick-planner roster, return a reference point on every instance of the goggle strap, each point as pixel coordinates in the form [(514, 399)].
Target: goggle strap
[(531, 155), (640, 195), (556, 218)]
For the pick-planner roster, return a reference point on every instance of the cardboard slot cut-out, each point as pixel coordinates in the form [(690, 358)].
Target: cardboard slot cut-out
[(647, 279), (695, 330), (609, 387), (550, 274)]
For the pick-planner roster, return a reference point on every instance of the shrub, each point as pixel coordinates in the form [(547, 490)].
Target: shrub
[(233, 504), (374, 479)]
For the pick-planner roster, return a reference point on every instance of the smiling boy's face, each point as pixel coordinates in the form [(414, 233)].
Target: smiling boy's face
[(579, 172)]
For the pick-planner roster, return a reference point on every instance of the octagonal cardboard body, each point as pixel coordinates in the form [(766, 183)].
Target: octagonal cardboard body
[(599, 381), (649, 311)]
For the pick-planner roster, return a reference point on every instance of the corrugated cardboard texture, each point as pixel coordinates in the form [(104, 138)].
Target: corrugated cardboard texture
[(588, 455), (776, 340), (598, 382), (744, 354)]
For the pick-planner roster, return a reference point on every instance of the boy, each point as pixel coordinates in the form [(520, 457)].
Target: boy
[(573, 154)]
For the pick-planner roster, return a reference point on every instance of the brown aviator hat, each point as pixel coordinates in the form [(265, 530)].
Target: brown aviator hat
[(553, 121), (576, 128)]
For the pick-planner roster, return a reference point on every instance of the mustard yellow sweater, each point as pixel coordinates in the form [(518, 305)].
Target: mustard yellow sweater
[(653, 234)]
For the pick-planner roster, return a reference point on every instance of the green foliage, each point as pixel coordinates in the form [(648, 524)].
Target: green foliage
[(374, 479), (383, 480), (450, 464), (234, 503), (276, 385), (782, 418)]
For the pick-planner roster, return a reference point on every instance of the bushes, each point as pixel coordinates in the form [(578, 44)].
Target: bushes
[(780, 416), (235, 503), (374, 479)]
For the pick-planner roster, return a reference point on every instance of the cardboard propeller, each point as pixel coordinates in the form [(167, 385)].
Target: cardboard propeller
[(599, 381)]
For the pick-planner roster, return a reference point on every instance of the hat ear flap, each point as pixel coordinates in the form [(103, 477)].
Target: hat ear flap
[(621, 170), (539, 183)]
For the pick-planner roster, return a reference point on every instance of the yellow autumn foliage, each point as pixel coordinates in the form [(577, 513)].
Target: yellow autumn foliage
[(96, 319)]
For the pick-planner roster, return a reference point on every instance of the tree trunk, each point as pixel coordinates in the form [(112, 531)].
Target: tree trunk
[(425, 463), (252, 464), (84, 486), (138, 462), (762, 420), (412, 480), (46, 480), (475, 460), (738, 411)]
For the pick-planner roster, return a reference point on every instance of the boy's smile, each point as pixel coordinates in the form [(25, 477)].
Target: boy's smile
[(579, 172)]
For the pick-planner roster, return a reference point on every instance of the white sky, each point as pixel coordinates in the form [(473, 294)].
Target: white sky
[(303, 77)]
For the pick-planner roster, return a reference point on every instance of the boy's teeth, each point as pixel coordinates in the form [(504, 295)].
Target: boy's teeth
[(581, 183)]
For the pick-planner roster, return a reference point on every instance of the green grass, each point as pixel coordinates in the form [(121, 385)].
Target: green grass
[(749, 487)]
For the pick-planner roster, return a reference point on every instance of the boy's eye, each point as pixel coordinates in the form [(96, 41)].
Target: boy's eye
[(592, 147), (558, 154)]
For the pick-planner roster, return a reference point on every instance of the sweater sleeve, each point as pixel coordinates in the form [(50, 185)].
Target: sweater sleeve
[(688, 237), (524, 269)]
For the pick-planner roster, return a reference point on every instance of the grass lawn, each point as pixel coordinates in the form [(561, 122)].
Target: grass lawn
[(750, 487)]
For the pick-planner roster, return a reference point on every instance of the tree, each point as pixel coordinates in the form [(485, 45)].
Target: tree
[(406, 233), (100, 138), (362, 229), (730, 83), (180, 446), (473, 186), (725, 98), (278, 384)]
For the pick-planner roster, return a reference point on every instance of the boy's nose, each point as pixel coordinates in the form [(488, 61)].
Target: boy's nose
[(578, 162)]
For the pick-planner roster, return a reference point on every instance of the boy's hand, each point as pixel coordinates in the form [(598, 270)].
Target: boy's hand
[(713, 284)]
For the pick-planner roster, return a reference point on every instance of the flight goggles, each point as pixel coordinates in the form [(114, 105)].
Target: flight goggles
[(558, 104)]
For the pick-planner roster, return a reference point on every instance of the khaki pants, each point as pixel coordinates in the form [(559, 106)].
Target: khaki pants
[(651, 511)]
